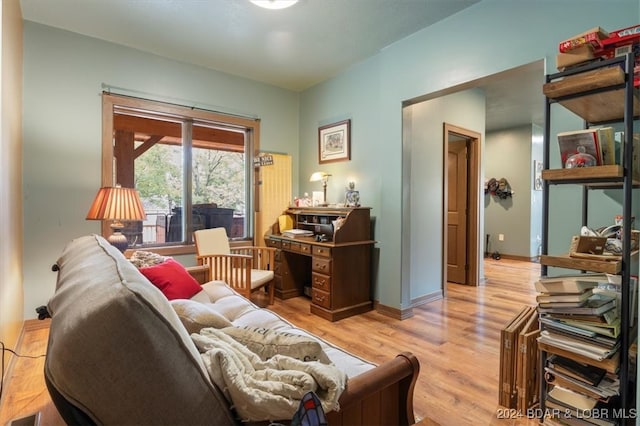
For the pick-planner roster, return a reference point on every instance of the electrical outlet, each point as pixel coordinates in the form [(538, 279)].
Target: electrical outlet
[(500, 237)]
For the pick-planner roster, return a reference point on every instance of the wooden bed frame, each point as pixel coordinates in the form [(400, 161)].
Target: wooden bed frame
[(382, 396)]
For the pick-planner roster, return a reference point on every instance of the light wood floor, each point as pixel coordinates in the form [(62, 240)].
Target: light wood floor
[(456, 341)]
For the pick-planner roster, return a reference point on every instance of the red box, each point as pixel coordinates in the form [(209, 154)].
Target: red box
[(591, 37), (622, 35)]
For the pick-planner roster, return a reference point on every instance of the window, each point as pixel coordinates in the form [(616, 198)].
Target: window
[(180, 160)]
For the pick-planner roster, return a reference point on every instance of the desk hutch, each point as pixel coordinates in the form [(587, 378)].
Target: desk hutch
[(334, 271)]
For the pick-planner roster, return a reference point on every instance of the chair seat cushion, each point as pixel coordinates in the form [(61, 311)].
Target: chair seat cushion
[(260, 277)]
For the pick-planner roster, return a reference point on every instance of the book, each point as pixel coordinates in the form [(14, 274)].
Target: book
[(562, 304), (574, 399), (296, 233), (565, 297), (596, 305), (580, 142), (569, 283), (604, 329), (611, 365), (608, 317), (607, 145), (581, 347), (570, 415), (572, 368), (609, 385), (595, 340)]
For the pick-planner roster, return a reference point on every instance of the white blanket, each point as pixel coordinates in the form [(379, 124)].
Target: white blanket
[(266, 390)]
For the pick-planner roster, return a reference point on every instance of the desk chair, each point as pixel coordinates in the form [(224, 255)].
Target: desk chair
[(245, 269)]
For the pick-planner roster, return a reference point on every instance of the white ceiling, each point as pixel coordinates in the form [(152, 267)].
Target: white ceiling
[(293, 48)]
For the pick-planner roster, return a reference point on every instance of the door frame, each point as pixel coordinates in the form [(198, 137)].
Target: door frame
[(473, 215)]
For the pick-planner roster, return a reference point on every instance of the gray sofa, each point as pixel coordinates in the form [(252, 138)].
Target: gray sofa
[(118, 352)]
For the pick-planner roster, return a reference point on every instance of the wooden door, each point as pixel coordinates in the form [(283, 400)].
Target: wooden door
[(457, 190)]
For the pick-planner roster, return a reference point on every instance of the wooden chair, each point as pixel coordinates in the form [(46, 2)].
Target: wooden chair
[(245, 269)]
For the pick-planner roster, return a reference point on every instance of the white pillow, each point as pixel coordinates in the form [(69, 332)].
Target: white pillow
[(195, 315), (141, 258)]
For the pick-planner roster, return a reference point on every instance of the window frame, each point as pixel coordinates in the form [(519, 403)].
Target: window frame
[(252, 126)]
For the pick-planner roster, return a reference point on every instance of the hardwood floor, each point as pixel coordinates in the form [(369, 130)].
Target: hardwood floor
[(456, 341)]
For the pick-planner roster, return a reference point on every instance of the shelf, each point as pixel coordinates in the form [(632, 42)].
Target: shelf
[(599, 106), (565, 261), (585, 175)]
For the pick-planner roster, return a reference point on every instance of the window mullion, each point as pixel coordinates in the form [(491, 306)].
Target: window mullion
[(187, 176)]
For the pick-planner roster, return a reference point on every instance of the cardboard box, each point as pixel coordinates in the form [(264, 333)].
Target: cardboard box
[(574, 57), (591, 37)]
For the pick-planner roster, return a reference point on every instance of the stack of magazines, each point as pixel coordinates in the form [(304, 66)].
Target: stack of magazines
[(297, 233), (580, 331)]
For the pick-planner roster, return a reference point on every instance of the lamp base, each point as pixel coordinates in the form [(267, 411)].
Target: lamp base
[(118, 240)]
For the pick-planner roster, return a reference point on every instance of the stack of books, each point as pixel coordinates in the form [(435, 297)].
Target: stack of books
[(297, 233), (580, 330)]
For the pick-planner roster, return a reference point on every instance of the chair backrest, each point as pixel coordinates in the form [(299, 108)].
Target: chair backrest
[(212, 241)]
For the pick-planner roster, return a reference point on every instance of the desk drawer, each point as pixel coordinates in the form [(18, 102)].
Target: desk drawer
[(320, 264), (305, 248), (320, 281), (286, 245), (321, 251), (273, 243), (321, 298)]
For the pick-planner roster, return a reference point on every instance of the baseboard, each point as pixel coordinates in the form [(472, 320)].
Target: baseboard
[(402, 314), (534, 259), (395, 313), (427, 298)]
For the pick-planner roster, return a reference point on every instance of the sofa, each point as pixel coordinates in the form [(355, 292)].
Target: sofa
[(121, 352)]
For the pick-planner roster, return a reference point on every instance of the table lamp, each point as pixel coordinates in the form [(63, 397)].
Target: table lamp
[(117, 204), (324, 177)]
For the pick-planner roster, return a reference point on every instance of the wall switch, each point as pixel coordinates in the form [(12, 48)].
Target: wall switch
[(500, 237)]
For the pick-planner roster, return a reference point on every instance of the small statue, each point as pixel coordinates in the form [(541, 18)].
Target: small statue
[(352, 197)]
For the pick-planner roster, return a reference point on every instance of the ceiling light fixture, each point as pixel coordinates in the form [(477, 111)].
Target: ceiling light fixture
[(274, 4)]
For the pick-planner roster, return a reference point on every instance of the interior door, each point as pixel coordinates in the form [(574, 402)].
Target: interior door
[(457, 190)]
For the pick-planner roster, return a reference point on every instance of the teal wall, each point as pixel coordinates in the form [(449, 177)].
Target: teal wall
[(63, 74), (487, 38), (508, 155), (423, 144), (63, 77)]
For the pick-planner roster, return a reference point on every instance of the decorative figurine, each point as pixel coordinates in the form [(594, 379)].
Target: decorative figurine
[(352, 197)]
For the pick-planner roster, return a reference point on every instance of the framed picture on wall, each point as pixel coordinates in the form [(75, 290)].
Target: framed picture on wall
[(334, 142)]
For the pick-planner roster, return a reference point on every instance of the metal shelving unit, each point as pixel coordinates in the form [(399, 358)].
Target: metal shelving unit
[(601, 93)]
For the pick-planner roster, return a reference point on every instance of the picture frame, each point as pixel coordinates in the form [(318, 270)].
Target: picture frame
[(334, 142)]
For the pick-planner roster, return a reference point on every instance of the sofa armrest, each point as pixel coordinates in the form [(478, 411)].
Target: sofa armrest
[(381, 396)]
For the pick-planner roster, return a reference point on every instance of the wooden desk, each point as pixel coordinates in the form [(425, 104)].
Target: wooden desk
[(335, 273)]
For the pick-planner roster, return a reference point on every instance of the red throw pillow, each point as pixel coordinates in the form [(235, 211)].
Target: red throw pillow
[(172, 279)]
